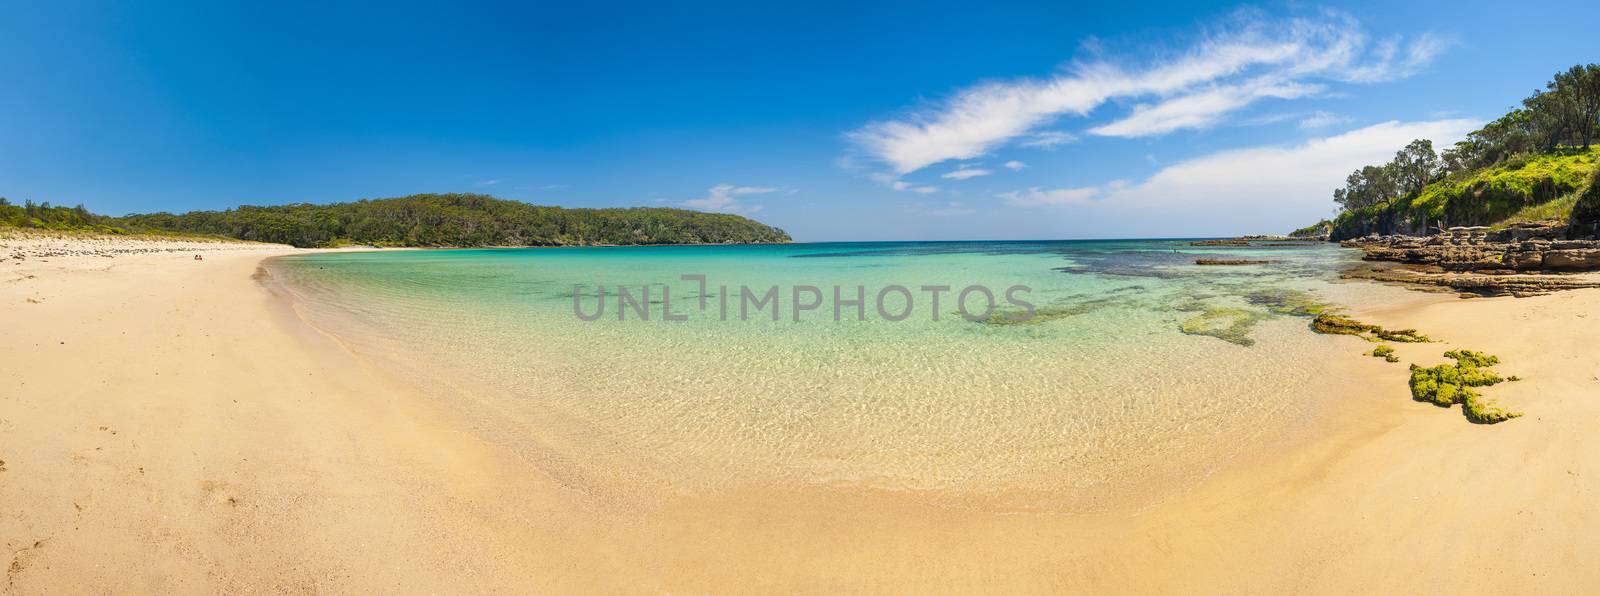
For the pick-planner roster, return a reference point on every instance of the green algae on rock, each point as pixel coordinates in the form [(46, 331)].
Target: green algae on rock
[(1332, 324), (1386, 353), (1231, 325), (1446, 385), (1288, 302), (1045, 314)]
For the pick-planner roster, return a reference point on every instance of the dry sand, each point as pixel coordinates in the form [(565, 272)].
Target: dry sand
[(169, 426)]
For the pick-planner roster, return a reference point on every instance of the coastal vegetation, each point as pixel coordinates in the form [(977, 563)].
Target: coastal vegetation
[(45, 216), (1316, 230), (1536, 162), (1449, 384), (438, 220)]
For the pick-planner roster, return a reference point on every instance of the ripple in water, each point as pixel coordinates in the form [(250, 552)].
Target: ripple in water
[(1120, 381)]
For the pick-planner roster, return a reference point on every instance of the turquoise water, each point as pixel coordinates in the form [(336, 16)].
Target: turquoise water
[(1138, 365)]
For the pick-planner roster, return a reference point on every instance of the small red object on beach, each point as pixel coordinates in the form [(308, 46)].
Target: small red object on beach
[(199, 258)]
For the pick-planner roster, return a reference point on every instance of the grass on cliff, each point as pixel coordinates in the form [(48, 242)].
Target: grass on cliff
[(1558, 209), (1506, 188), (1523, 188)]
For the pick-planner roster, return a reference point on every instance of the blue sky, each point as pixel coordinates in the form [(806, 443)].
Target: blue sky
[(910, 120)]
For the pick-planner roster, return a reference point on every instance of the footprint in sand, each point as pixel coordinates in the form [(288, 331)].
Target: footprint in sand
[(22, 557), (218, 492)]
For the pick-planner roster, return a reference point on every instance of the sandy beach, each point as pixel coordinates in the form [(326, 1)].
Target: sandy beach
[(169, 425)]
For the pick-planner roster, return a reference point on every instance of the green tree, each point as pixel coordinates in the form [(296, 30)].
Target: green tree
[(1365, 187), (1579, 88), (1414, 167)]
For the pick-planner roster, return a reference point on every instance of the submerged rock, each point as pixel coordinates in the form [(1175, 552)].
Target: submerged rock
[(1231, 325), (1233, 262), (1288, 302)]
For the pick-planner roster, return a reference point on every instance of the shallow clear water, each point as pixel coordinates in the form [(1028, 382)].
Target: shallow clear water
[(1102, 390)]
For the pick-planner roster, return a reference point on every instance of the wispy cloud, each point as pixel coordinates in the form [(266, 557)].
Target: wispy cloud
[(724, 198), (1035, 197), (949, 209), (1049, 139), (965, 173), (1394, 59), (1320, 120), (488, 182), (896, 184), (1250, 59), (903, 186), (1200, 109), (1015, 165)]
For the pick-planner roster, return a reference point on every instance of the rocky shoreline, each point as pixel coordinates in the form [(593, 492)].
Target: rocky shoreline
[(1525, 259)]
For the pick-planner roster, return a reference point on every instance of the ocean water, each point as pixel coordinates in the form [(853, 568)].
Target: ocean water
[(1138, 368)]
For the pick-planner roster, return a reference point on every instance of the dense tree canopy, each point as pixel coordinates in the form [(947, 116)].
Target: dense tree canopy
[(43, 215), (428, 220), (1554, 128)]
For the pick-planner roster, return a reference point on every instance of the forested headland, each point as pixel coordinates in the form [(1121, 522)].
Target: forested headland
[(1537, 162), (436, 220)]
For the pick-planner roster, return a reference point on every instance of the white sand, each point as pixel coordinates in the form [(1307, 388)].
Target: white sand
[(167, 425)]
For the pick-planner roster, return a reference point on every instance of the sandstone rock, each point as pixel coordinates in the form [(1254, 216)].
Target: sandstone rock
[(1525, 260), (1528, 260), (1583, 259), (1478, 284)]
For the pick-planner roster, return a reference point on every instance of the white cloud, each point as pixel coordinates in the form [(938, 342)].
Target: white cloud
[(898, 185), (903, 186), (488, 182), (724, 198), (1015, 165), (1321, 120), (1274, 177), (965, 173), (1259, 189), (1049, 139), (1394, 62), (1255, 58), (1034, 197), (1200, 109)]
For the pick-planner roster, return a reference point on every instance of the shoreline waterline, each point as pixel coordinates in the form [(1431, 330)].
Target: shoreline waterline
[(540, 421)]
